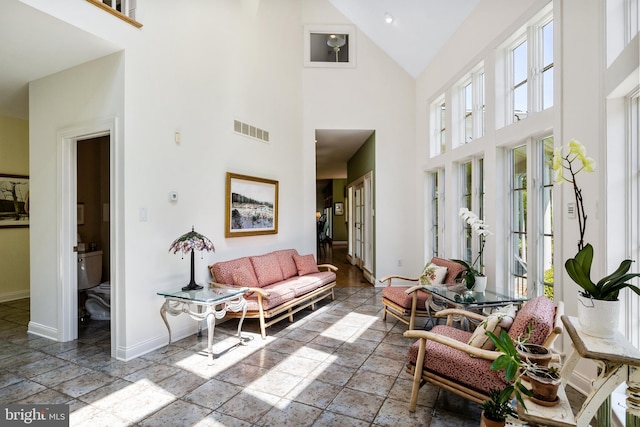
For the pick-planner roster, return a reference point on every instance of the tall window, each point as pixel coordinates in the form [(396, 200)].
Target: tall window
[(519, 98), (466, 193), (434, 197), (481, 209), (546, 213), (439, 127), (519, 220), (547, 65), (531, 191), (530, 69), (472, 106)]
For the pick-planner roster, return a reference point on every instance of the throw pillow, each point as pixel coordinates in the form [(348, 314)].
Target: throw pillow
[(433, 275), (495, 322), (306, 264)]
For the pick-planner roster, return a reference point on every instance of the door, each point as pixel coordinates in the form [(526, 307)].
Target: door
[(360, 216)]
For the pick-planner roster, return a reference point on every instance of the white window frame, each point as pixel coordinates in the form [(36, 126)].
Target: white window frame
[(438, 127), (435, 223), (535, 219), (476, 78), (475, 192), (532, 35)]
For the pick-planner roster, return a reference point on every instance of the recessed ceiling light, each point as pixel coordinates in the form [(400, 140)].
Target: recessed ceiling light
[(388, 18)]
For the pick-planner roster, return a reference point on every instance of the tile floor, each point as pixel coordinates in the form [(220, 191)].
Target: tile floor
[(339, 365)]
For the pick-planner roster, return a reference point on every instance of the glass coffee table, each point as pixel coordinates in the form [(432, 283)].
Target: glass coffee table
[(461, 297), (209, 304)]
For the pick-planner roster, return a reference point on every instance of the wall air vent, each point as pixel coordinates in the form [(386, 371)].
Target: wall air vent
[(250, 131)]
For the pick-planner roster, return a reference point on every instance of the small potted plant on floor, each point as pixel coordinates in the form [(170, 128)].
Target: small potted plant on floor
[(497, 408)]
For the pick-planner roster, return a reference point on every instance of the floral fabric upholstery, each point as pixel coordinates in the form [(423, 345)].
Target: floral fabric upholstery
[(267, 269), (287, 264), (457, 365), (304, 284), (453, 268), (222, 272), (398, 295), (244, 278), (541, 311)]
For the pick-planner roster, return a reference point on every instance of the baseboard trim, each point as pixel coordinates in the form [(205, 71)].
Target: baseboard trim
[(129, 353), (42, 331), (12, 296)]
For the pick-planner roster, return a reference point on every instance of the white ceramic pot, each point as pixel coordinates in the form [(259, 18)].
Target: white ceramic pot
[(480, 284), (598, 318)]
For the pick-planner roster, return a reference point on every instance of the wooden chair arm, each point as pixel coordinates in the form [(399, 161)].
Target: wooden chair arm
[(458, 312), (450, 342), (328, 267), (390, 278)]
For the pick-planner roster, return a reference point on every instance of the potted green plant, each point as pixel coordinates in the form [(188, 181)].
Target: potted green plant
[(516, 369), (474, 278), (497, 408), (598, 306)]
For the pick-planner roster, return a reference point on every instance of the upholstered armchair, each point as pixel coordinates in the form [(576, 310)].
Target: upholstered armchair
[(407, 301), (443, 357)]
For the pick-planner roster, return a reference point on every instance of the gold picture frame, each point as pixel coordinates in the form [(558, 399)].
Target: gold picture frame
[(251, 207)]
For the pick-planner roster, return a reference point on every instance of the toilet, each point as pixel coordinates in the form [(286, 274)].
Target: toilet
[(98, 303)]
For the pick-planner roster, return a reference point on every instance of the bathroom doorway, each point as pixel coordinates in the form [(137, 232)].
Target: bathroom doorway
[(93, 237)]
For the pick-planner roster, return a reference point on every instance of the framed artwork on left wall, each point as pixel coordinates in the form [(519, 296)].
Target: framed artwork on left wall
[(14, 201)]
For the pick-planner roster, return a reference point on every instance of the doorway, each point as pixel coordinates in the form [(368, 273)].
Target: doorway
[(71, 213), (360, 218), (93, 221)]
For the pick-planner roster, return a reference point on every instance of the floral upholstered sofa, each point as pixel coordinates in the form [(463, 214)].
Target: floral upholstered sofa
[(280, 283)]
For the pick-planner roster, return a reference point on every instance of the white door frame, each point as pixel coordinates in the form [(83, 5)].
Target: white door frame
[(366, 232), (67, 304)]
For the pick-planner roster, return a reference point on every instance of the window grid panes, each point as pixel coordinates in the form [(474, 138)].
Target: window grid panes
[(519, 220), (547, 65), (435, 217), (466, 192), (468, 113), (520, 81), (442, 127), (547, 216), (480, 206)]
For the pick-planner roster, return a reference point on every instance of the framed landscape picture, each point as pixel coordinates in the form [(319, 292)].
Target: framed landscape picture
[(251, 206), (14, 201)]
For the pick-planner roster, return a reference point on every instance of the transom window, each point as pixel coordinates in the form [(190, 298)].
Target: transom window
[(472, 108), (439, 127)]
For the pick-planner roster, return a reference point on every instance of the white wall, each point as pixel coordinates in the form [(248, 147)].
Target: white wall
[(71, 98), (182, 72), (376, 94)]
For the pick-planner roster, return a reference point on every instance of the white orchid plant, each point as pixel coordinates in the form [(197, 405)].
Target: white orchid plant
[(561, 164), (579, 267), (480, 228)]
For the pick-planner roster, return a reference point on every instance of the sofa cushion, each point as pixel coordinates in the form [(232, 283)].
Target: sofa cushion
[(398, 295), (541, 312), (279, 293), (287, 264), (222, 271), (244, 277), (301, 285), (267, 269), (453, 268), (456, 365), (306, 264)]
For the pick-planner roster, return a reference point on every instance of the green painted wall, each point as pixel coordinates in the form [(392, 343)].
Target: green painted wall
[(363, 162), (339, 224)]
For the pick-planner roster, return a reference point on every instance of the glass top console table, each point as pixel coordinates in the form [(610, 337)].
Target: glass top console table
[(210, 304)]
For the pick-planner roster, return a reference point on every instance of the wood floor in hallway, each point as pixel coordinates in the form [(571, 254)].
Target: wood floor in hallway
[(347, 275)]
